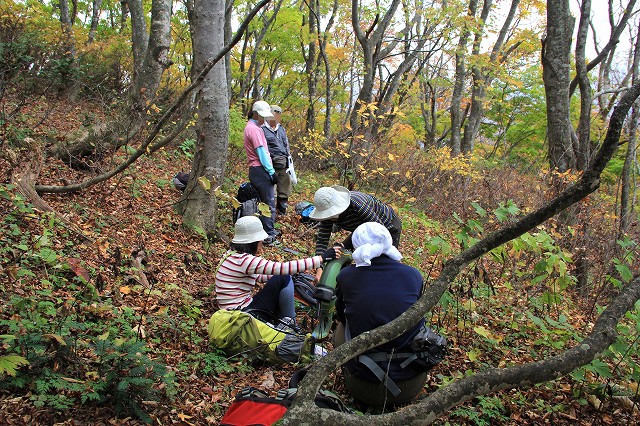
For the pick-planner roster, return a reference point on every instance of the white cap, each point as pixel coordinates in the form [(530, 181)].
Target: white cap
[(262, 108), (248, 230), (330, 201)]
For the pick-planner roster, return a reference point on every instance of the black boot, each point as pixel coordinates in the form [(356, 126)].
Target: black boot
[(281, 206)]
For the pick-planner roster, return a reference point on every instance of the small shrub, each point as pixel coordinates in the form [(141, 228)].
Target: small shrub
[(126, 377)]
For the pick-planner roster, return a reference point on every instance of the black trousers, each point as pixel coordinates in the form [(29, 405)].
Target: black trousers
[(260, 179)]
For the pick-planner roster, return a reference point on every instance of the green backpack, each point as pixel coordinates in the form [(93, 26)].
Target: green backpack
[(239, 333)]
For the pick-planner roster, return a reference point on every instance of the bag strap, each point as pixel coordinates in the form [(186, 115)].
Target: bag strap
[(332, 400), (370, 361), (286, 394), (250, 391), (409, 357), (380, 374)]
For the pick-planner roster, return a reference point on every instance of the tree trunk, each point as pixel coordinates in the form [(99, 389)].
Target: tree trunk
[(627, 184), (458, 85), (155, 57), (429, 106), (478, 85), (74, 11), (614, 38), (150, 61), (250, 87), (139, 35), (24, 170), (397, 86), (70, 75), (151, 144), (482, 79), (228, 35), (124, 7), (372, 52), (583, 151), (327, 69), (556, 50), (95, 15), (198, 205), (310, 60)]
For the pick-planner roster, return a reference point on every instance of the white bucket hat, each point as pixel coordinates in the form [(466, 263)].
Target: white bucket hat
[(262, 108), (248, 230), (330, 201)]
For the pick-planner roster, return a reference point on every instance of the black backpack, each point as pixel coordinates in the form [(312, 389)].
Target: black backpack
[(304, 289), (246, 192), (248, 197), (180, 180), (324, 398), (428, 349)]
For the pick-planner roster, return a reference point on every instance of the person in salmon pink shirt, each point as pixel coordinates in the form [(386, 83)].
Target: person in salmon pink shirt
[(262, 175)]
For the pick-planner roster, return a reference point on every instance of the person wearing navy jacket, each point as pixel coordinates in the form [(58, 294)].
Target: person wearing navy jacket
[(373, 292)]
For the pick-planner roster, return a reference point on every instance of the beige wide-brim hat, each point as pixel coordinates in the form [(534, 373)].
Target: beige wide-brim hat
[(248, 230), (275, 109), (263, 109), (330, 201)]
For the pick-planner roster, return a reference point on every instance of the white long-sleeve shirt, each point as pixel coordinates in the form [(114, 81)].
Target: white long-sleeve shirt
[(238, 273)]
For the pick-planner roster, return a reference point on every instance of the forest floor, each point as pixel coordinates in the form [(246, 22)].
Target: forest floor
[(133, 212)]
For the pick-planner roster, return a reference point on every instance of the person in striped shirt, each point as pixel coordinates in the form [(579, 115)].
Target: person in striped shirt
[(242, 267), (338, 206)]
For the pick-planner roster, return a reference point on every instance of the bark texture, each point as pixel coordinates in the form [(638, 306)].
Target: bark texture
[(198, 205), (628, 176), (556, 49), (458, 85)]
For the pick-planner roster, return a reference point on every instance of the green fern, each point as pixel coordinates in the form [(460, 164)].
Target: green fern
[(9, 364)]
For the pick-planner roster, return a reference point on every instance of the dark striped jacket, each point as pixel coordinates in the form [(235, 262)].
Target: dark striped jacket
[(363, 208)]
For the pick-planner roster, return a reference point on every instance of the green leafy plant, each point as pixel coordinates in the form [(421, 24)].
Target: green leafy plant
[(9, 364), (488, 410), (212, 363), (188, 147), (126, 376), (617, 371), (48, 345)]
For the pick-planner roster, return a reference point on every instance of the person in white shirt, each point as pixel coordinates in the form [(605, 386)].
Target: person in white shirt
[(280, 152), (242, 268)]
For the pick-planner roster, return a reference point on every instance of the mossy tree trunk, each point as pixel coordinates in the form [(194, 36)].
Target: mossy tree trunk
[(198, 204)]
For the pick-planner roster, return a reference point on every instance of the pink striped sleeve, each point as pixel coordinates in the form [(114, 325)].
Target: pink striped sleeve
[(285, 268)]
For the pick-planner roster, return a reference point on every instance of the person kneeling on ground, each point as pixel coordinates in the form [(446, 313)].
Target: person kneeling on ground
[(242, 267), (336, 206), (371, 293)]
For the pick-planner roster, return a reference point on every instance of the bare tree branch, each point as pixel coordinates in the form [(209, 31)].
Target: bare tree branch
[(616, 31), (163, 120), (617, 90), (427, 410)]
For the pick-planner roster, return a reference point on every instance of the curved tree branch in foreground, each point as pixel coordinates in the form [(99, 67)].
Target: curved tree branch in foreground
[(146, 145), (305, 412), (430, 408)]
